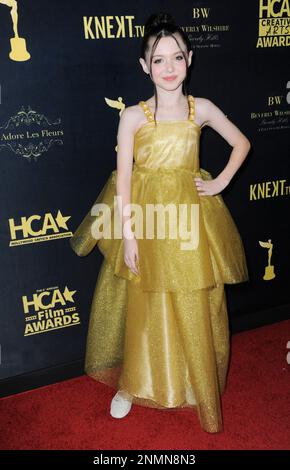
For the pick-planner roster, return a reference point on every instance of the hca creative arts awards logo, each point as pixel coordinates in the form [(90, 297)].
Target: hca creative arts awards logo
[(49, 309), (274, 23)]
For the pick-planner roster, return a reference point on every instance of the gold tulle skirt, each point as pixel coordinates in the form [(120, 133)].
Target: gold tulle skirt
[(163, 336)]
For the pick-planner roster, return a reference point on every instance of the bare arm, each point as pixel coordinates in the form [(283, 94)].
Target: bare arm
[(125, 139), (215, 118)]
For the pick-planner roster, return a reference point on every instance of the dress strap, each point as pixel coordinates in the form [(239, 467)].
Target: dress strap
[(146, 110), (191, 108), (150, 116)]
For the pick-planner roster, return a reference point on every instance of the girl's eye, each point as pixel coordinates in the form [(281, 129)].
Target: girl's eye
[(177, 57)]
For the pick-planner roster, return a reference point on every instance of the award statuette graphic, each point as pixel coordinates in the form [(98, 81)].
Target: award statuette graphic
[(269, 271), (18, 45), (117, 104)]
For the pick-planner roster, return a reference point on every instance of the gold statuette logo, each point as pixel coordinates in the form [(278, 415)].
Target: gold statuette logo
[(117, 104), (18, 51), (269, 270)]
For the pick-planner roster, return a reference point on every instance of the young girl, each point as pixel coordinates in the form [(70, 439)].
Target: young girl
[(158, 331)]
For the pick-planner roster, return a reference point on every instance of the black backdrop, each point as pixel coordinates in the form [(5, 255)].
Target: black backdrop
[(57, 148)]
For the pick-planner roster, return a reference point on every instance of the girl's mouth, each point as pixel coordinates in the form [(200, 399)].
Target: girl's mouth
[(173, 77)]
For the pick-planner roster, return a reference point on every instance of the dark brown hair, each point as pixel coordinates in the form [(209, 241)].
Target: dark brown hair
[(161, 25)]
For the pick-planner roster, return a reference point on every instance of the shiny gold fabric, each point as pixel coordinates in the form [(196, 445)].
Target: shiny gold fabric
[(162, 336)]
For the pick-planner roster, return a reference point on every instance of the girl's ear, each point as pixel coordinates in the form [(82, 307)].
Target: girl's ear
[(143, 65)]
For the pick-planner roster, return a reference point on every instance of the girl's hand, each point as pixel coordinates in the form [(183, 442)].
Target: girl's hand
[(131, 254), (211, 187)]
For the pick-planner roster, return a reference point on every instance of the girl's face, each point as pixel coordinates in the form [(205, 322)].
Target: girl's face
[(167, 61)]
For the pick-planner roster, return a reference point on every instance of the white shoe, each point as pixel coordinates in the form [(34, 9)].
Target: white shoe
[(120, 406)]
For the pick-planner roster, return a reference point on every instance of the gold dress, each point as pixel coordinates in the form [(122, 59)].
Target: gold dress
[(162, 335)]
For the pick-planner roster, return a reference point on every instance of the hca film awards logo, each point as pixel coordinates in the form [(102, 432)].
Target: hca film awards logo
[(38, 228), (49, 309), (18, 51), (29, 134)]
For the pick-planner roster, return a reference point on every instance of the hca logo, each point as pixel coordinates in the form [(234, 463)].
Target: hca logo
[(48, 299), (38, 228)]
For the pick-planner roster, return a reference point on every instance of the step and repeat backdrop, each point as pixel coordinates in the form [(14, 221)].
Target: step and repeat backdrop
[(67, 69)]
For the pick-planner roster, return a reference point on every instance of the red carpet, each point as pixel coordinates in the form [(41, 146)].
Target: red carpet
[(75, 414)]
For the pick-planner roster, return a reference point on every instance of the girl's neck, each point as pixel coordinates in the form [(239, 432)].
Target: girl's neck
[(175, 108), (168, 101)]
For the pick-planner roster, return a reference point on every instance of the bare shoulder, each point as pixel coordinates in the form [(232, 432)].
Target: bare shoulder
[(204, 104), (205, 111), (208, 113), (130, 119), (200, 103)]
